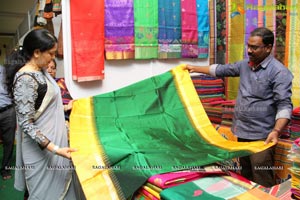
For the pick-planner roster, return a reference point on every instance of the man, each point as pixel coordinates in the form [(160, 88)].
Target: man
[(263, 105), (7, 126)]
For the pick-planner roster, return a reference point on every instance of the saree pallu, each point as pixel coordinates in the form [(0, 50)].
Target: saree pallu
[(203, 28), (154, 126), (119, 29), (189, 29), (146, 29), (169, 32), (87, 40)]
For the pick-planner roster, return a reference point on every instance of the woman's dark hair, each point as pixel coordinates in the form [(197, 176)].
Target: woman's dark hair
[(266, 35), (38, 39)]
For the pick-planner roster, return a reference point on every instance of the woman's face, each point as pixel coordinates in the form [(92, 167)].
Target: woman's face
[(52, 69)]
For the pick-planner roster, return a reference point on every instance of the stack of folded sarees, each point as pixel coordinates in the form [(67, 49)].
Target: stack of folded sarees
[(211, 93), (227, 112), (295, 124), (209, 88), (294, 156), (210, 182)]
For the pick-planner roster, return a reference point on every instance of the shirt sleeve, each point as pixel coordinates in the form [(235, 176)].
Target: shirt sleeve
[(227, 70), (25, 95), (282, 94)]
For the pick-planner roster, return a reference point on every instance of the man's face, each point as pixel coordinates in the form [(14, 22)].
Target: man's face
[(257, 50)]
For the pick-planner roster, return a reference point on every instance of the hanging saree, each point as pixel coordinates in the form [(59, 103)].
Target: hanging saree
[(146, 29), (292, 57), (119, 29), (189, 29), (281, 15), (212, 33), (203, 28), (169, 32), (251, 16), (87, 40), (154, 126), (235, 41)]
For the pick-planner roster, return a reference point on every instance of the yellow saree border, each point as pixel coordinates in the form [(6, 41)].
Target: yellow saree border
[(88, 160), (199, 119)]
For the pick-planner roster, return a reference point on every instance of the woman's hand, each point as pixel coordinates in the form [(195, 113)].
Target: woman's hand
[(68, 106), (65, 152)]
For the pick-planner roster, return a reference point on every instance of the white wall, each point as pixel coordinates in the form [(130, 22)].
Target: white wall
[(118, 73)]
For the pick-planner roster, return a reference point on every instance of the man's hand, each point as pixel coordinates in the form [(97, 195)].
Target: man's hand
[(272, 137)]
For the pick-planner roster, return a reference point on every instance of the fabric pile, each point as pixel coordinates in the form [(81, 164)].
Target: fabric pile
[(227, 112), (295, 124), (209, 89), (214, 111), (208, 182), (211, 93), (294, 156)]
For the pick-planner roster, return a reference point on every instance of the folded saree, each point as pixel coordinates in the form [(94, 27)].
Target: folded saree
[(219, 187), (171, 179), (154, 126)]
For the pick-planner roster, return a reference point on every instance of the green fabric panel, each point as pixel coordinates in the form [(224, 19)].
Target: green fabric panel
[(146, 29), (144, 130)]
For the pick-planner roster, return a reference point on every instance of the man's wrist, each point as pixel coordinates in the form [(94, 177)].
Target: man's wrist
[(276, 130)]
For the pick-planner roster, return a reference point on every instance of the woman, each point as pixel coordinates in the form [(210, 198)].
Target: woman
[(65, 94), (43, 157)]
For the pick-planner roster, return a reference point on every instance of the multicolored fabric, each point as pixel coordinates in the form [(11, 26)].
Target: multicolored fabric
[(251, 22), (216, 187), (65, 94), (87, 38), (189, 29), (292, 57), (171, 179), (235, 23), (220, 31), (119, 29), (213, 32), (154, 126), (203, 28), (169, 33), (146, 29)]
